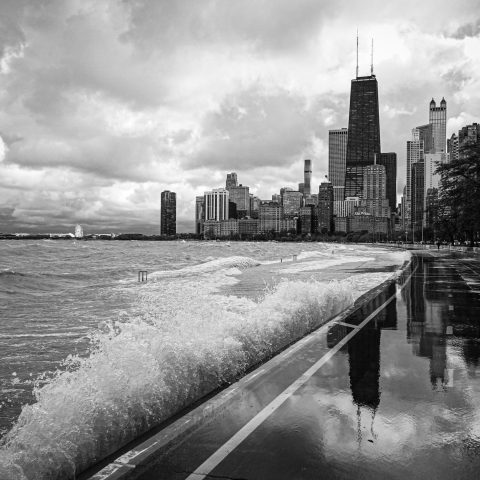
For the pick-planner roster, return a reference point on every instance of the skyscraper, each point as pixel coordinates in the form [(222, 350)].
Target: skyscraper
[(418, 196), (363, 132), (415, 154), (307, 175), (325, 207), (168, 213), (438, 120), (389, 161), (199, 213), (337, 154)]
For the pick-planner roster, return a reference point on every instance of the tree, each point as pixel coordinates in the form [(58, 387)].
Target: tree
[(458, 213)]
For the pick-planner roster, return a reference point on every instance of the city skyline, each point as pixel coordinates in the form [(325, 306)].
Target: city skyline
[(101, 109)]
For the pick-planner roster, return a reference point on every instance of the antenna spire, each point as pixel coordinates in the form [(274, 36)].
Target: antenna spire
[(371, 64), (357, 55)]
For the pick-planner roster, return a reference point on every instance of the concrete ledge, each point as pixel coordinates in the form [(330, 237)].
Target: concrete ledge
[(131, 464)]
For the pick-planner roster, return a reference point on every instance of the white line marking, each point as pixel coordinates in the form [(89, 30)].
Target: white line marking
[(349, 325), (216, 458)]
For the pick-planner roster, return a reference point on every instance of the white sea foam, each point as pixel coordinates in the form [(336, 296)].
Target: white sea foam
[(142, 371), (212, 265)]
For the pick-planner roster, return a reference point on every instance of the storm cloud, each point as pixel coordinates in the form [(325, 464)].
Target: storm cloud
[(104, 104)]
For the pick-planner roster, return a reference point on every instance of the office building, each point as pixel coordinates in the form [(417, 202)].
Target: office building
[(307, 178), (231, 180), (389, 161), (337, 155), (438, 120), (363, 132), (199, 214), (168, 213), (216, 204)]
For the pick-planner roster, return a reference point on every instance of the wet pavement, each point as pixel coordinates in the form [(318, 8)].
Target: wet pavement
[(392, 391)]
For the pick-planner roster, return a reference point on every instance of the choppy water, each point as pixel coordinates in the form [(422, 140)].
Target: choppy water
[(95, 358)]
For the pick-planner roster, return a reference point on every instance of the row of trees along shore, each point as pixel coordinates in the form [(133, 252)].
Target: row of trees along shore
[(457, 215)]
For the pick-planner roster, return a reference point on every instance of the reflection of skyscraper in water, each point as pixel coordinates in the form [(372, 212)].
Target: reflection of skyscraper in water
[(426, 322), (364, 360)]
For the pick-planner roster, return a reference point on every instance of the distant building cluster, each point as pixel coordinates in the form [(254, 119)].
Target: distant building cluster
[(359, 195), (234, 211), (427, 149)]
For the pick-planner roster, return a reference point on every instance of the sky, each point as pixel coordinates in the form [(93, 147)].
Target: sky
[(106, 103)]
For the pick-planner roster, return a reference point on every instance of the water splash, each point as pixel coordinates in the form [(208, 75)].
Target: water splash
[(142, 371)]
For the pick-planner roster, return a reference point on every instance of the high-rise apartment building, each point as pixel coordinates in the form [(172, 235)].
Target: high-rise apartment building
[(418, 197), (363, 132), (375, 191), (240, 195), (216, 204), (292, 202), (469, 140), (425, 134), (168, 213), (199, 214), (337, 155), (415, 154), (231, 180), (307, 178), (452, 148), (270, 217), (438, 120), (325, 207), (389, 161)]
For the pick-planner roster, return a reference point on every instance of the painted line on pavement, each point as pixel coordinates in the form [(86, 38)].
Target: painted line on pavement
[(216, 458), (349, 325)]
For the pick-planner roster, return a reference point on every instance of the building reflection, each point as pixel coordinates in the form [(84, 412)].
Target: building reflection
[(427, 317), (364, 349)]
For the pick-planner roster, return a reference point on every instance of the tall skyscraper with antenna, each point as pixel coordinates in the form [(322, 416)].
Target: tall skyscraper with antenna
[(363, 129)]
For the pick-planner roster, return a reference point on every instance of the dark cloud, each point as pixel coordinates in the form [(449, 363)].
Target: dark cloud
[(467, 30), (103, 104)]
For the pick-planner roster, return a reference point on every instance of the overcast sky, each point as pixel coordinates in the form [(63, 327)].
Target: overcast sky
[(104, 104)]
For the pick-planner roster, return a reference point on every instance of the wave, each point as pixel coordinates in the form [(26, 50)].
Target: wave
[(141, 372), (213, 265)]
